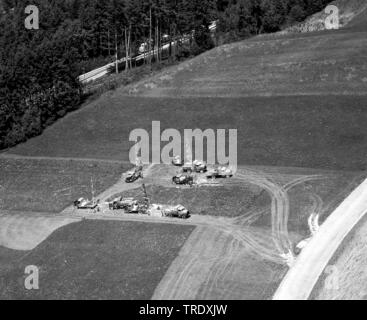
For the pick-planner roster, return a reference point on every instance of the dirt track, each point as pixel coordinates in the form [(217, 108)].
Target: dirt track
[(211, 265)]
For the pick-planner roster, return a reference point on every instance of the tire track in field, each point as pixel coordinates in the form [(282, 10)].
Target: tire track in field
[(220, 263), (228, 290), (221, 269), (213, 279), (280, 205), (169, 287), (279, 209), (211, 252)]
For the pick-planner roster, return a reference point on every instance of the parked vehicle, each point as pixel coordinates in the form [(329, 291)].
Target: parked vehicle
[(221, 172), (121, 203), (134, 175), (177, 161), (176, 212), (199, 166), (183, 179), (158, 210), (86, 204)]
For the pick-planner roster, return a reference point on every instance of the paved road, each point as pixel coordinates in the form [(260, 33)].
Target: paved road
[(303, 276)]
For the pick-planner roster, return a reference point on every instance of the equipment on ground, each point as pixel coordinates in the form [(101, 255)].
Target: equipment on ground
[(158, 210), (86, 204), (177, 161), (221, 172), (121, 203), (196, 166), (183, 179), (177, 212), (199, 166), (134, 175)]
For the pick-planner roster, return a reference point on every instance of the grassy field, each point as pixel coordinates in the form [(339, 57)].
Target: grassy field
[(297, 100), (306, 131), (52, 185), (223, 269), (96, 260), (349, 266)]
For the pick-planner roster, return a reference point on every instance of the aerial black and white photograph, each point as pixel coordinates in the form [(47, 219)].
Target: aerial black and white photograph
[(183, 150)]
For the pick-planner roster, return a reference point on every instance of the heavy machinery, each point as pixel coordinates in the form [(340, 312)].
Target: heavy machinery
[(121, 203), (176, 212), (134, 175), (199, 166), (158, 210), (131, 205), (177, 161), (182, 179), (134, 208), (221, 172), (86, 204), (196, 166)]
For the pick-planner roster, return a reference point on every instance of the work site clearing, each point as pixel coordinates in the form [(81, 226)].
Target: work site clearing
[(251, 221)]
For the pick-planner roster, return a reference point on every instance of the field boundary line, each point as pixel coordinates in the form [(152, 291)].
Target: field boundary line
[(302, 277), (21, 157)]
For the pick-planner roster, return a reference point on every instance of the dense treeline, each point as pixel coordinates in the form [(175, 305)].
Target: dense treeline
[(39, 69), (243, 18)]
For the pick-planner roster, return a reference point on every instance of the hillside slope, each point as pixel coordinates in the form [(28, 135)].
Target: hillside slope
[(317, 119), (352, 14), (323, 63)]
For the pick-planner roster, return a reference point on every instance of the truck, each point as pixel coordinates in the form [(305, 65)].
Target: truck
[(183, 179), (177, 161), (86, 204), (158, 210), (176, 212), (134, 175), (199, 166), (121, 203), (221, 172), (129, 205)]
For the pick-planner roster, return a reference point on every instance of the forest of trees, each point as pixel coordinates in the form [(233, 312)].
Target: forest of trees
[(39, 68)]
